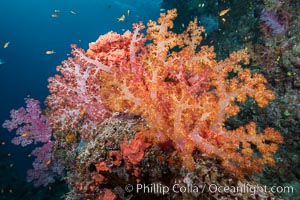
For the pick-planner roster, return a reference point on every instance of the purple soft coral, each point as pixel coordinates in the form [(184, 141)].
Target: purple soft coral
[(272, 21), (31, 124), (45, 168), (32, 127)]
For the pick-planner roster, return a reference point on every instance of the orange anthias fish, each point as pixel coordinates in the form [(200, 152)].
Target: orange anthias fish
[(24, 134), (48, 163), (6, 45), (49, 52), (82, 112), (224, 12), (122, 18)]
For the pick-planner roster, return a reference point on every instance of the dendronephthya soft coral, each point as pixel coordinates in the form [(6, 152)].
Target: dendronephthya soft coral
[(184, 94)]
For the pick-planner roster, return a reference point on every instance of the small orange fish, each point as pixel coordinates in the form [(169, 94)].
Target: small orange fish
[(49, 52), (224, 12), (54, 15), (122, 18), (24, 134), (48, 163), (6, 45), (82, 112), (56, 11)]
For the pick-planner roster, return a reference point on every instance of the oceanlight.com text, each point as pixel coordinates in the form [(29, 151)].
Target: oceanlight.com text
[(158, 188)]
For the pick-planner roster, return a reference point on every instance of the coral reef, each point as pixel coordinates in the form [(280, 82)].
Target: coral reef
[(276, 55), (151, 108), (183, 95), (100, 173)]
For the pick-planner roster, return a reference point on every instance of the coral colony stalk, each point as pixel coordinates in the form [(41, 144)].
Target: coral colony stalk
[(183, 94)]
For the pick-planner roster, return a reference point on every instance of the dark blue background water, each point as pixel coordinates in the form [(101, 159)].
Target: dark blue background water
[(31, 31)]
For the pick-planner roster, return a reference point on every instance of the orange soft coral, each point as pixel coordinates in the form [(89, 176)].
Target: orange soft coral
[(185, 95)]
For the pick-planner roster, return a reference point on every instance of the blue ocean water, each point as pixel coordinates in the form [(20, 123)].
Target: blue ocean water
[(31, 30)]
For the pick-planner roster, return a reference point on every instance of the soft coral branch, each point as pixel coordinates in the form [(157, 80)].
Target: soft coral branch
[(32, 126)]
